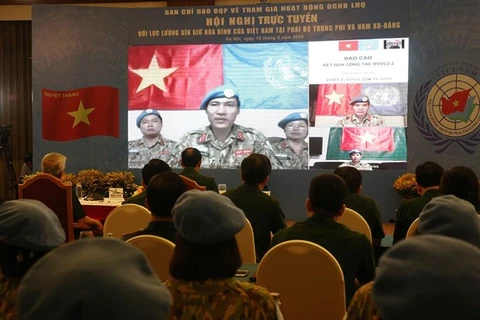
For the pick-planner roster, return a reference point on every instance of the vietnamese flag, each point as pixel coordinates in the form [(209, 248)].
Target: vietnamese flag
[(367, 139), (334, 99), (348, 45), (456, 103), (172, 77), (80, 113)]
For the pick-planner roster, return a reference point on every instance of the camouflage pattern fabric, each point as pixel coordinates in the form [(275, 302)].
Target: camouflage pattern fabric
[(368, 121), (288, 158), (359, 166), (220, 299), (239, 144), (8, 296), (139, 153), (362, 306)]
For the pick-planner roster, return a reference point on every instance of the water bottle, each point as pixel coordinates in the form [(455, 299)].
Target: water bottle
[(78, 190)]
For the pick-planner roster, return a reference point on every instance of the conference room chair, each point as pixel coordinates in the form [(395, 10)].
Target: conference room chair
[(191, 184), (56, 195), (159, 252), (355, 222), (126, 218), (307, 277), (246, 243), (412, 230)]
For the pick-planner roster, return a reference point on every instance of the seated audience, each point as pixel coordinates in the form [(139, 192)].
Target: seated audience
[(428, 177), (191, 162), (366, 207), (27, 166), (93, 279), (54, 164), (429, 277), (152, 168), (463, 183), (162, 193), (205, 260), (353, 250), (28, 230), (263, 211)]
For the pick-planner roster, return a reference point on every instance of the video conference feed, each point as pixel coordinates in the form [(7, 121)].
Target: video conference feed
[(291, 101)]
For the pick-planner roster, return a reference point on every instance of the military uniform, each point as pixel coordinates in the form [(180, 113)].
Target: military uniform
[(359, 166), (220, 299), (369, 121), (139, 153), (288, 158), (199, 178), (362, 306), (241, 142), (137, 199)]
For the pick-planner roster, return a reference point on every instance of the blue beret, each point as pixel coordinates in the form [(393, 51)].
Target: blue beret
[(293, 117), (355, 151), (205, 217), (362, 98), (94, 279), (30, 224), (220, 92), (147, 113)]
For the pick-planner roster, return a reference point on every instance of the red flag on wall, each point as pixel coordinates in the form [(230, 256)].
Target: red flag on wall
[(334, 99), (348, 45), (367, 139), (80, 113), (456, 102), (174, 77)]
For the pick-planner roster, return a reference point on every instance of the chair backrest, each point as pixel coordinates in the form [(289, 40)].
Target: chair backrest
[(191, 184), (159, 252), (355, 222), (412, 230), (126, 218), (54, 194), (246, 243), (307, 277)]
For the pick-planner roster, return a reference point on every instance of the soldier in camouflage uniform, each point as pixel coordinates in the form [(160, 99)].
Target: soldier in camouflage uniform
[(360, 116), (293, 151), (356, 156), (152, 144), (223, 144)]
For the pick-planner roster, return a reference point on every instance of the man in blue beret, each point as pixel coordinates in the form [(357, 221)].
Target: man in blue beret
[(360, 116), (293, 150), (356, 157), (223, 144), (152, 144)]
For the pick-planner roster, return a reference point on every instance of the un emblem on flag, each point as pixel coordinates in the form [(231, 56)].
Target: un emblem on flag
[(447, 111), (286, 72)]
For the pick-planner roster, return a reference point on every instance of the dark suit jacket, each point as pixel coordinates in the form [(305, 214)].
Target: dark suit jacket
[(199, 178), (138, 199)]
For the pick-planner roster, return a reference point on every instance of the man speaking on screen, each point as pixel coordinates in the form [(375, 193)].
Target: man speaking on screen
[(360, 116), (223, 144)]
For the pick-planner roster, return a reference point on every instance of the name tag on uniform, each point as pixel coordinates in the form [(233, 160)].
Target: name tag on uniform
[(243, 152), (164, 152), (134, 151), (283, 156)]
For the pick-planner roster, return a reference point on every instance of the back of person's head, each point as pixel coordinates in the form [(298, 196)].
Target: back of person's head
[(206, 247), (163, 191), (327, 194), (54, 164), (191, 157), (93, 279), (352, 177), (452, 217), (428, 277), (255, 168), (153, 167), (28, 229), (463, 183), (428, 174), (28, 158)]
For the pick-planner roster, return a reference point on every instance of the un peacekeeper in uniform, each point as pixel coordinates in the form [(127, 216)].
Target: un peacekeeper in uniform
[(293, 151), (152, 145), (356, 156), (223, 144), (360, 116)]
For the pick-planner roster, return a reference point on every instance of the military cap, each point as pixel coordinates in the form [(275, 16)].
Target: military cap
[(361, 98), (293, 117), (355, 151), (205, 217), (220, 92), (147, 113)]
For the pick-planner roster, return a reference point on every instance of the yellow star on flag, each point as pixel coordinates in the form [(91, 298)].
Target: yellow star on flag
[(154, 75), (81, 115), (367, 137), (456, 103), (334, 97)]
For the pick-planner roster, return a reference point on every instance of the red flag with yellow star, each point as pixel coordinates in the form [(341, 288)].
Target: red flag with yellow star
[(80, 113), (367, 139)]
